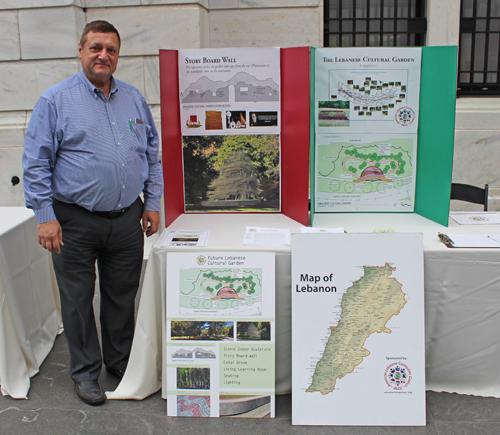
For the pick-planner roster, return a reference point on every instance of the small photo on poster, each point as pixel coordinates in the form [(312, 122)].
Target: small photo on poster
[(251, 331), (263, 119), (333, 113), (204, 331), (193, 406), (244, 406), (236, 119), (193, 378), (193, 122)]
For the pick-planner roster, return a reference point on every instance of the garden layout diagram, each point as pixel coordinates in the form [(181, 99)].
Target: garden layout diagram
[(352, 174), (359, 93), (231, 292), (366, 107), (366, 308)]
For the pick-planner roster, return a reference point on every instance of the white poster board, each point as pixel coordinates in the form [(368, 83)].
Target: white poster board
[(230, 109), (358, 342), (366, 120), (220, 334)]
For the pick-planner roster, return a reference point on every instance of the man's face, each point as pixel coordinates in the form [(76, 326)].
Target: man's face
[(99, 56)]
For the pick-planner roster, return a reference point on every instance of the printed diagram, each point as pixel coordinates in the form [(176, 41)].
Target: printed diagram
[(345, 168), (366, 308), (209, 291), (373, 95), (242, 87), (374, 92)]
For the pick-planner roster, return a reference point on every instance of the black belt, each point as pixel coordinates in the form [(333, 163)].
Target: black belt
[(113, 213)]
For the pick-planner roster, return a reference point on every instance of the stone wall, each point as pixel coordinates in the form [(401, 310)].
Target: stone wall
[(39, 41), (39, 47)]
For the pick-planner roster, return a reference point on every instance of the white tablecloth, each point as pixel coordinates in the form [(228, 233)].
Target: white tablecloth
[(29, 314), (462, 291)]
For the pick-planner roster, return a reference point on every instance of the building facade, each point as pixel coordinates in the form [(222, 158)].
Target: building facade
[(39, 47)]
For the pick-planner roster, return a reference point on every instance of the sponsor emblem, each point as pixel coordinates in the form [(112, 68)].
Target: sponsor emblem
[(405, 116), (397, 376)]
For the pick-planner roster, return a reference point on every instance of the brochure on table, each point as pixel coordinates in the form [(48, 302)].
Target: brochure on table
[(358, 342), (220, 333), (290, 113), (383, 130)]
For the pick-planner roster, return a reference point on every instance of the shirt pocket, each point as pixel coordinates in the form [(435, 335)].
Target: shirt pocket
[(141, 133)]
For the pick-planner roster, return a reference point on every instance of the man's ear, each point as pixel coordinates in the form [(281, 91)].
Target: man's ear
[(80, 50)]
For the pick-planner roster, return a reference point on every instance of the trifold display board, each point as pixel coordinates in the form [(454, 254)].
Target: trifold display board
[(382, 130), (358, 341), (292, 126), (220, 334)]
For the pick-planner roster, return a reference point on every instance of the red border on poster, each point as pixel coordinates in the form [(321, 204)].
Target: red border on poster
[(295, 134)]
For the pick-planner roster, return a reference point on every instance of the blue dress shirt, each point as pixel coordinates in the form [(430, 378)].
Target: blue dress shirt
[(81, 148)]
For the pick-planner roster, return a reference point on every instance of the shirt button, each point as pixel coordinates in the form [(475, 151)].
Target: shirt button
[(123, 187), (119, 143), (119, 205), (112, 123), (123, 165)]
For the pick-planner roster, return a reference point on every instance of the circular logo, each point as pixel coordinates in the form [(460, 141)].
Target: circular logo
[(478, 219), (405, 116), (201, 260), (397, 376)]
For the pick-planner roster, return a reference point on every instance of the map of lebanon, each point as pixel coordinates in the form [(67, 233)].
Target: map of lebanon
[(366, 307)]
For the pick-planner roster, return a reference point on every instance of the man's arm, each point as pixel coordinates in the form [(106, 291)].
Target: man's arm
[(153, 187), (38, 160)]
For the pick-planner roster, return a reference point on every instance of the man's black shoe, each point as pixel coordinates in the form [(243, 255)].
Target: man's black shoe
[(90, 392), (116, 372)]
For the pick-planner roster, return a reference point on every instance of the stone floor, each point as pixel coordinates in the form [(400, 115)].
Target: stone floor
[(53, 408)]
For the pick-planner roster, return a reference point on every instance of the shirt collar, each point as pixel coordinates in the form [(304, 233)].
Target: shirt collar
[(113, 88)]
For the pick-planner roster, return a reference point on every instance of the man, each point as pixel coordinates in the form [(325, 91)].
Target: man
[(91, 148)]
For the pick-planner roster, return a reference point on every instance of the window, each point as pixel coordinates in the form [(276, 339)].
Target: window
[(375, 23), (478, 63)]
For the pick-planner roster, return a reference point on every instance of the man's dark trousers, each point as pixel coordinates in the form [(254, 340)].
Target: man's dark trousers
[(116, 242)]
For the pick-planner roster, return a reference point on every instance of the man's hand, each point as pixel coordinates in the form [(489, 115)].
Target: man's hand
[(150, 222), (50, 236)]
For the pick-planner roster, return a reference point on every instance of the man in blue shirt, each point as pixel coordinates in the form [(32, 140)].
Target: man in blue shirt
[(90, 149)]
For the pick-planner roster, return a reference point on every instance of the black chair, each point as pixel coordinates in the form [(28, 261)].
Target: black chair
[(469, 193)]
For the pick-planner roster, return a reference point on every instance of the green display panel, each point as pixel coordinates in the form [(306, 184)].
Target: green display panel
[(436, 132)]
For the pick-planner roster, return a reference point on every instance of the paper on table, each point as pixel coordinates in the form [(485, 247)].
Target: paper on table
[(308, 230), (476, 218), (266, 236), (186, 238)]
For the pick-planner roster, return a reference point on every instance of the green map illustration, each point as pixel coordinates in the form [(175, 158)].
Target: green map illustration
[(346, 168), (366, 308), (221, 291)]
